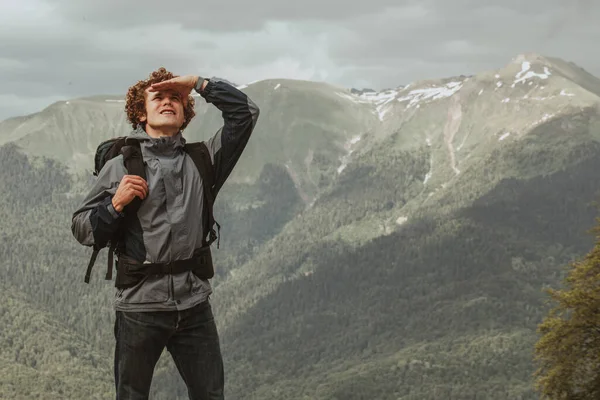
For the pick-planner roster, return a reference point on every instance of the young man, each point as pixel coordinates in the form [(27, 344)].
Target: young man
[(165, 310)]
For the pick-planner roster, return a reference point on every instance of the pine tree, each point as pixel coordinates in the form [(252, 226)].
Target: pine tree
[(569, 347)]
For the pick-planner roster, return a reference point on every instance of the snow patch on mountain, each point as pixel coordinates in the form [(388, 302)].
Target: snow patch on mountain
[(427, 178), (381, 100), (349, 97), (354, 140), (527, 73), (507, 134), (244, 86), (401, 220), (545, 117), (384, 101), (417, 96)]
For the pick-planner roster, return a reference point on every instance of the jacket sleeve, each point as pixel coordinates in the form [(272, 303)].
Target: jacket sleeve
[(240, 114), (96, 220)]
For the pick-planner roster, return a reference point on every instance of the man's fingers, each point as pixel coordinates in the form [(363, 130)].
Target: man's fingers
[(140, 188), (156, 87), (136, 184), (171, 83), (131, 186), (139, 194), (138, 180), (164, 83), (135, 179)]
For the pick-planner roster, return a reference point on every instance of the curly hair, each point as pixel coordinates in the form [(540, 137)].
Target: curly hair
[(135, 105)]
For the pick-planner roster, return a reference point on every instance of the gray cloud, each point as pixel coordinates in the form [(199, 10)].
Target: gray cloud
[(223, 15), (573, 12), (439, 39), (64, 49)]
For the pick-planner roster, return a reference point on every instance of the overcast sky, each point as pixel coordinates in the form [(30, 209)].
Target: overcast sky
[(59, 49)]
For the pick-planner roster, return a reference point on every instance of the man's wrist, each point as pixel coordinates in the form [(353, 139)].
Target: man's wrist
[(200, 84), (118, 208)]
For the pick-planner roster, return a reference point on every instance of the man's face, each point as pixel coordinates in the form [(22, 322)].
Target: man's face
[(164, 109)]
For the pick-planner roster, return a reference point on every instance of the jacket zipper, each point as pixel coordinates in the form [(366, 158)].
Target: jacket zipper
[(171, 288)]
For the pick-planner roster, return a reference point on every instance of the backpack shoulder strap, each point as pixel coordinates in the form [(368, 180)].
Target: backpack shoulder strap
[(200, 154), (134, 164)]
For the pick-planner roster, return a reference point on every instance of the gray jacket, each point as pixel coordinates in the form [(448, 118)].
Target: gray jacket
[(169, 223)]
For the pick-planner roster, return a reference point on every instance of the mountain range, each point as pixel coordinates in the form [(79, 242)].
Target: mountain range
[(376, 245)]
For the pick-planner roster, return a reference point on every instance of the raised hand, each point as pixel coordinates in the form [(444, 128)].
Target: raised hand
[(181, 84), (130, 186)]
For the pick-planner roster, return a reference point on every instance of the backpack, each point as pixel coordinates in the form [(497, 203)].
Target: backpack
[(134, 164)]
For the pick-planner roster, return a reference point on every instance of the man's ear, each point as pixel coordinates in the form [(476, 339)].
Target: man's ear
[(143, 115)]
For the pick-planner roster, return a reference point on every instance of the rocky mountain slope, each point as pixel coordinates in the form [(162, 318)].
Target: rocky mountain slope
[(441, 146), (388, 245)]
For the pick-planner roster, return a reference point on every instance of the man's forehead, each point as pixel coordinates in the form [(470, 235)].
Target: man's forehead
[(162, 92)]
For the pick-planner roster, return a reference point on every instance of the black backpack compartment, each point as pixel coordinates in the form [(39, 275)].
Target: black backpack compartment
[(106, 150)]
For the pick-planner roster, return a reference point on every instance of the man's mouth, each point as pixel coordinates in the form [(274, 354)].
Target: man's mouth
[(168, 112)]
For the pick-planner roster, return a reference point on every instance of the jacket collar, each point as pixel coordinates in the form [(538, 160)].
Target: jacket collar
[(164, 145)]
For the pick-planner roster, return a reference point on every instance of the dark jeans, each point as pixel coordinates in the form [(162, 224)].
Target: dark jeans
[(189, 335)]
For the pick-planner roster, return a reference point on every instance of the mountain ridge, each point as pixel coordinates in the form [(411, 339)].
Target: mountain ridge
[(392, 108), (384, 245)]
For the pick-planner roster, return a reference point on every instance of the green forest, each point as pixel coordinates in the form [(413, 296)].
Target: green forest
[(447, 307)]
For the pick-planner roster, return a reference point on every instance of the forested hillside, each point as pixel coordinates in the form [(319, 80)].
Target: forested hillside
[(401, 254)]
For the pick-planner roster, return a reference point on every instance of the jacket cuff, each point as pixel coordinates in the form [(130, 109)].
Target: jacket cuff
[(198, 86), (111, 209)]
